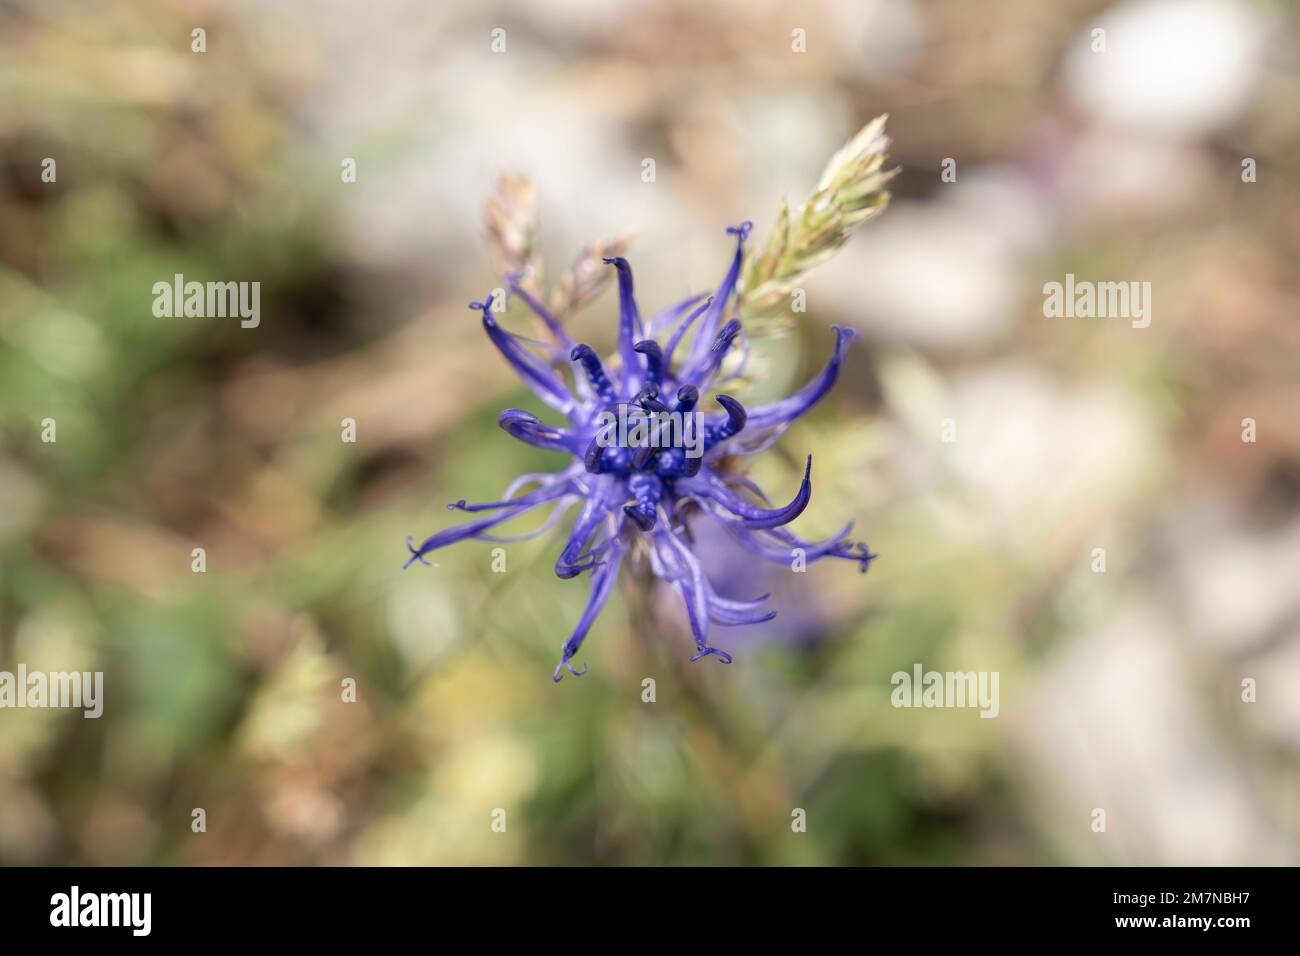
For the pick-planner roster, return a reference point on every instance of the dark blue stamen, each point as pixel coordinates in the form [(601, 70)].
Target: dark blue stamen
[(654, 360), (717, 353), (646, 490), (586, 356), (653, 405), (644, 456), (594, 459), (736, 418), (726, 336), (688, 396)]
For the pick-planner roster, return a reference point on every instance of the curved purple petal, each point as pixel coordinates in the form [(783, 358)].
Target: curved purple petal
[(530, 430), (541, 495), (629, 324), (687, 578), (542, 312), (671, 315), (752, 516), (681, 329), (713, 317), (535, 373), (781, 550), (572, 561), (729, 618), (788, 409), (602, 585), (474, 528)]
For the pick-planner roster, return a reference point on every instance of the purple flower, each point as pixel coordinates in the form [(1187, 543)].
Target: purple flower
[(637, 489)]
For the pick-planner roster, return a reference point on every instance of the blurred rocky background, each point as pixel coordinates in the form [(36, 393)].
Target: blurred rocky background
[(1120, 690)]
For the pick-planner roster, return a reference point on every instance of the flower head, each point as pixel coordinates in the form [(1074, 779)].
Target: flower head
[(639, 487)]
